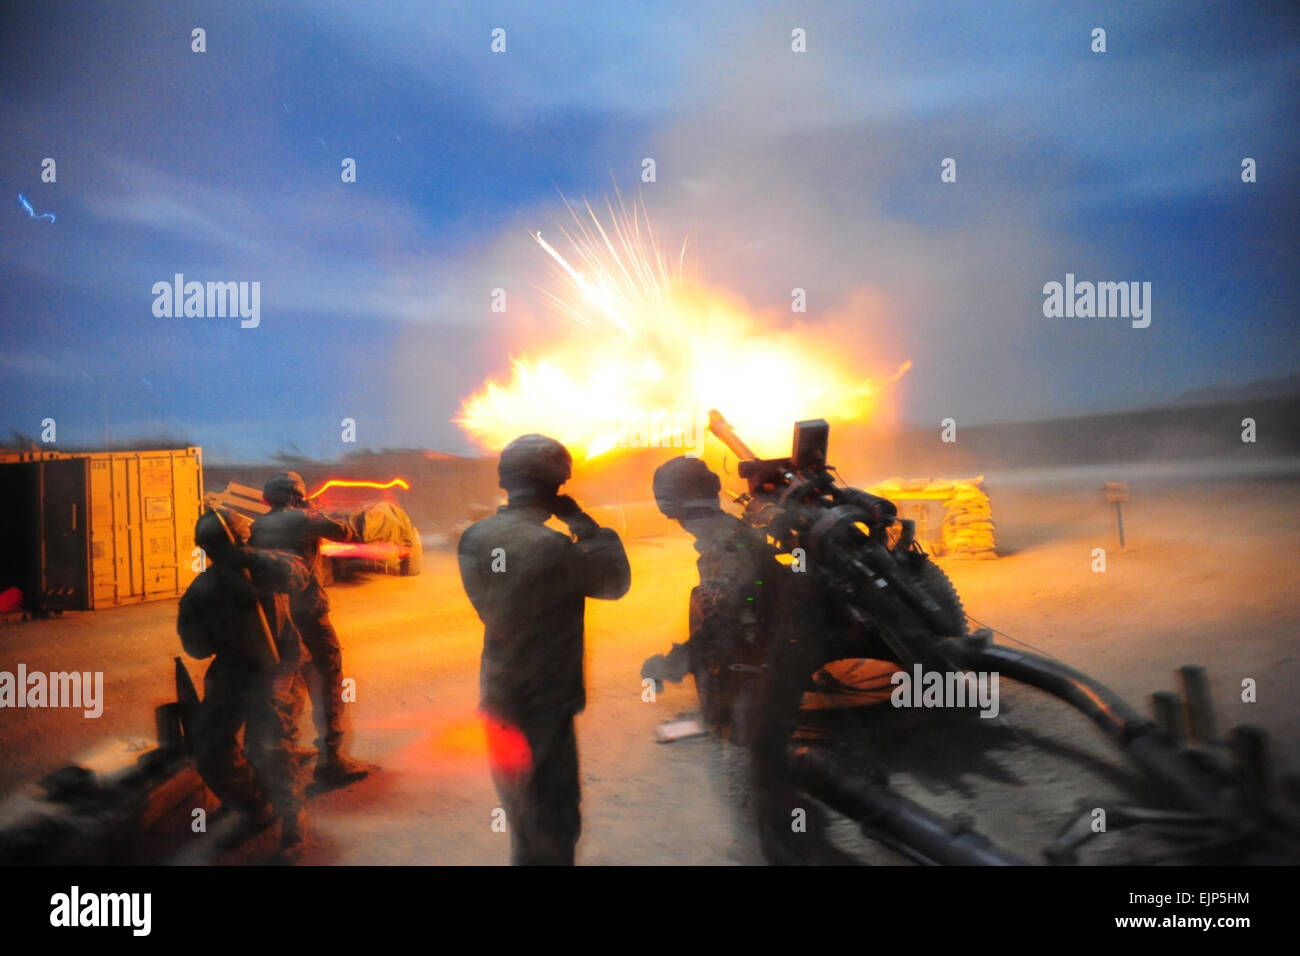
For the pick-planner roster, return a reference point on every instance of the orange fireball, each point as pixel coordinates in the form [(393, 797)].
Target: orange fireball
[(654, 353)]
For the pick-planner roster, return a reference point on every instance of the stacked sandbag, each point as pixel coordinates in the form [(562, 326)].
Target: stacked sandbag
[(968, 521), (918, 489), (967, 526)]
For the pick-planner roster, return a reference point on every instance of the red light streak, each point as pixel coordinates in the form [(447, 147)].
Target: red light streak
[(348, 483)]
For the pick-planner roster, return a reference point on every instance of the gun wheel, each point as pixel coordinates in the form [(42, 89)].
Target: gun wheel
[(931, 579)]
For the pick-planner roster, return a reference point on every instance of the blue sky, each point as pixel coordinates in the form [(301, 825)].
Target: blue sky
[(817, 170)]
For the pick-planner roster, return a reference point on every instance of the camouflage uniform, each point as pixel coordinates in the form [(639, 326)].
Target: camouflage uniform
[(725, 624), (751, 611), (300, 531), (755, 633), (531, 678), (239, 692)]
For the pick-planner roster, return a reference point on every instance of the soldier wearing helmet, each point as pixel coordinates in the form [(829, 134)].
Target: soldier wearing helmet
[(238, 609), (725, 606), (750, 625), (529, 585), (294, 525)]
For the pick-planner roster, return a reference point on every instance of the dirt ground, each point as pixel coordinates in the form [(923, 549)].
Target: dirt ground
[(1209, 576)]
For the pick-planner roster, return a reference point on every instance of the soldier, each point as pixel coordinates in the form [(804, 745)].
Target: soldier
[(725, 625), (293, 525), (755, 628), (529, 585), (238, 609)]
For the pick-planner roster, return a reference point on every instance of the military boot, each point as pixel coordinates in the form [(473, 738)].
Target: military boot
[(293, 838), (252, 821), (335, 770)]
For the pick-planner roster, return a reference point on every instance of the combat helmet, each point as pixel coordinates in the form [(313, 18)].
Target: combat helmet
[(286, 488), (534, 462), (212, 533), (685, 484)]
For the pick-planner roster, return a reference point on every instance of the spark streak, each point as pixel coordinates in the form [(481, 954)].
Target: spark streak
[(22, 201)]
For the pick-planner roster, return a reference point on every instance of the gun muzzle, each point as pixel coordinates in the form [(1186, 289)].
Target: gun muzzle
[(725, 434)]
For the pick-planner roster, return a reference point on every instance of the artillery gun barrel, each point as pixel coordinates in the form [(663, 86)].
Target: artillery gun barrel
[(727, 435), (904, 823)]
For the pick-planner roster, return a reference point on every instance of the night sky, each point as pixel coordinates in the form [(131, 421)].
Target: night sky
[(818, 170)]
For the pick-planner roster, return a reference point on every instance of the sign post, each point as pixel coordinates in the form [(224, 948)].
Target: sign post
[(1117, 491)]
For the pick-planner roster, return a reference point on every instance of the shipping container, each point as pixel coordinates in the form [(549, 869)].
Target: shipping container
[(95, 529)]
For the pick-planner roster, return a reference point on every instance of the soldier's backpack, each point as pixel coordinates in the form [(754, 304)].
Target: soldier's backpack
[(220, 611)]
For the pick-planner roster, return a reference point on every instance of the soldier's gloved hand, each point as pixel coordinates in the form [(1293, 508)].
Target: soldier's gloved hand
[(568, 511), (563, 507)]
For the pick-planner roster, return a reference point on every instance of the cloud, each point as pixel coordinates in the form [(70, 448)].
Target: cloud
[(316, 249), (817, 170), (562, 56), (821, 171)]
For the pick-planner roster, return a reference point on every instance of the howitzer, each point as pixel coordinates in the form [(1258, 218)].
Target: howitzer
[(884, 598), (886, 586)]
